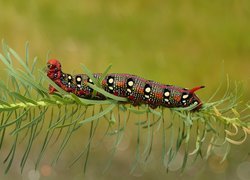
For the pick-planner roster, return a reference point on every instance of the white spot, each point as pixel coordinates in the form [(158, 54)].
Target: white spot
[(166, 94), (147, 90), (185, 96), (146, 96), (111, 88), (78, 79), (195, 103), (130, 83), (129, 90), (69, 77), (184, 101), (69, 83), (167, 100), (90, 80), (111, 80), (78, 85)]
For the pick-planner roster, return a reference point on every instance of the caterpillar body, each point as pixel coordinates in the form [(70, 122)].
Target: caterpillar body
[(136, 89)]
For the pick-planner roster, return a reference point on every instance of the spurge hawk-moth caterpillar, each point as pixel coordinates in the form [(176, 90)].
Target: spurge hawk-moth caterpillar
[(136, 89)]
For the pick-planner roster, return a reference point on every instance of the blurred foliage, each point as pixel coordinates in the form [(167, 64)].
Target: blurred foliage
[(179, 42)]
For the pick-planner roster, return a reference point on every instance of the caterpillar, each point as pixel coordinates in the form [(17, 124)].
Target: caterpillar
[(136, 89)]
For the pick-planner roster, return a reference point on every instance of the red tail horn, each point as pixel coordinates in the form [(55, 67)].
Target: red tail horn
[(195, 89)]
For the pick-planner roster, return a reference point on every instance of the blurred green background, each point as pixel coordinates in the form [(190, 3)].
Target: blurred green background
[(186, 43)]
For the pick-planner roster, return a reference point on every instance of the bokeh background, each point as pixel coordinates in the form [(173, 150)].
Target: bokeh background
[(186, 43)]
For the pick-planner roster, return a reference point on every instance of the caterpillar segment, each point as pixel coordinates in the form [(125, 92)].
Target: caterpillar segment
[(137, 89)]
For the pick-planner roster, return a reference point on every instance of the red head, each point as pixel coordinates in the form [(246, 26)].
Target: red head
[(54, 65), (54, 69)]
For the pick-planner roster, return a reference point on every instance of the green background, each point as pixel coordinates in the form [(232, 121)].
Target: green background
[(185, 43)]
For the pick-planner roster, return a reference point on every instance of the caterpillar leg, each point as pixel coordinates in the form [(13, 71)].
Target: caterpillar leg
[(52, 89)]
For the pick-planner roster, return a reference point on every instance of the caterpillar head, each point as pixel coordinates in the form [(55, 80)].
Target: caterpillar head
[(54, 65), (54, 69)]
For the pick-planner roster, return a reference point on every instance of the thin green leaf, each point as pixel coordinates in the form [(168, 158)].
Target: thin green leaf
[(23, 64), (38, 118), (108, 95), (104, 74), (23, 98), (90, 75), (99, 115)]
